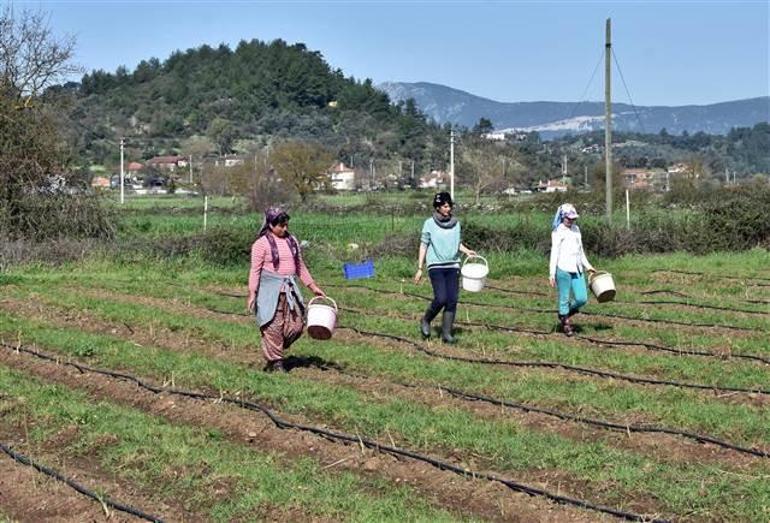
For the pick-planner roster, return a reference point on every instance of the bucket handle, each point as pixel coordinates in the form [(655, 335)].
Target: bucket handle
[(476, 256), (593, 275), (322, 298)]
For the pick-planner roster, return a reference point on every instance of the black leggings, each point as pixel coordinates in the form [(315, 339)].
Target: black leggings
[(446, 290)]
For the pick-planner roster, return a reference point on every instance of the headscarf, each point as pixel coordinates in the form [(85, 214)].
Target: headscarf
[(272, 216), (565, 209), (445, 222)]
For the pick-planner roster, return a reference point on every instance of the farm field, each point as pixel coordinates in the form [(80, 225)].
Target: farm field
[(143, 380)]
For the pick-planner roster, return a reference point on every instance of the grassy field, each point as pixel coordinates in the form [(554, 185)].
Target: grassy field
[(657, 408)]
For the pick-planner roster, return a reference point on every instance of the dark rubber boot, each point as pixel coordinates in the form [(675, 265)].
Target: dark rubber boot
[(447, 321), (425, 328), (275, 366), (566, 325)]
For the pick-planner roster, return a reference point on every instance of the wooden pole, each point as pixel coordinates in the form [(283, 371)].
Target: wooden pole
[(608, 121)]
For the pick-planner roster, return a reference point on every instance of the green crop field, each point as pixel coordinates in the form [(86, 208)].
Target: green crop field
[(142, 378)]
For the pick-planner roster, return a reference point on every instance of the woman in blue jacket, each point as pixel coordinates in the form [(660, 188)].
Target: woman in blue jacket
[(440, 246)]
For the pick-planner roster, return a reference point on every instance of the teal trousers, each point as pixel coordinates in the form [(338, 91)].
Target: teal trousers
[(572, 291)]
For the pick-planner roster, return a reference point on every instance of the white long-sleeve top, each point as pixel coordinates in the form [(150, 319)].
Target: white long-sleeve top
[(567, 250)]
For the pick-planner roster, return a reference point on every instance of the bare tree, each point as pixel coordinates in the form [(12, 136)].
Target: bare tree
[(34, 202), (31, 57), (302, 165), (483, 169)]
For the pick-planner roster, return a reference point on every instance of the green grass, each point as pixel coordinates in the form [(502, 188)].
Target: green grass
[(607, 469), (504, 444), (605, 398), (187, 464)]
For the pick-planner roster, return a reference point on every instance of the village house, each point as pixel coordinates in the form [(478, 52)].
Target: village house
[(555, 185), (434, 180), (342, 177), (495, 136), (646, 179), (100, 182), (229, 160), (133, 168), (167, 163)]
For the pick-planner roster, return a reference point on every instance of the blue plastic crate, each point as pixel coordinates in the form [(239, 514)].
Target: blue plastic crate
[(355, 271)]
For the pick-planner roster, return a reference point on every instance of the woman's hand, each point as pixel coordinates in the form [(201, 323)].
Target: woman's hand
[(471, 252), (319, 293), (251, 305), (418, 276), (552, 282)]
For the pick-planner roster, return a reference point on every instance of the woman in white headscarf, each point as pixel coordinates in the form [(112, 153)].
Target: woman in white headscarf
[(567, 265)]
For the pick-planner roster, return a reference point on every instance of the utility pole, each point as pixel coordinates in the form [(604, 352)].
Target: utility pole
[(608, 120), (452, 164), (585, 176), (371, 173), (191, 170), (413, 180), (122, 173)]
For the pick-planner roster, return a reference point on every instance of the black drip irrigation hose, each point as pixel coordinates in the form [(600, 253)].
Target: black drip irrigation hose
[(596, 341), (625, 428), (697, 305), (686, 352), (671, 322), (514, 291), (553, 311), (714, 276), (564, 366), (561, 415), (647, 302), (665, 291), (350, 438), (115, 505)]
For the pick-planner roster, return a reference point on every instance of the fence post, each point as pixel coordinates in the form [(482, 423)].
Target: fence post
[(628, 212), (205, 211)]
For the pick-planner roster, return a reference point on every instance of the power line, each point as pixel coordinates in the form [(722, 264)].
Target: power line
[(588, 85), (617, 64)]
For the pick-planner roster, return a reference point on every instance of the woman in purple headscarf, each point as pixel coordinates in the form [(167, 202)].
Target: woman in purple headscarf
[(567, 265), (274, 297)]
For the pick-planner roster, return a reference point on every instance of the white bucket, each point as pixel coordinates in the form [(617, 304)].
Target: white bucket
[(602, 285), (321, 319), (474, 274)]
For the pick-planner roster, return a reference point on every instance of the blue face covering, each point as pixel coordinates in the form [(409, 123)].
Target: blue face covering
[(558, 217), (561, 212)]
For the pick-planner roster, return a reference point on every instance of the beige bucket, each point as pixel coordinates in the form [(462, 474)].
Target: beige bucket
[(474, 274), (321, 318), (602, 285)]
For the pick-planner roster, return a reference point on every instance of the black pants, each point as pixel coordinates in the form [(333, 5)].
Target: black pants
[(446, 290)]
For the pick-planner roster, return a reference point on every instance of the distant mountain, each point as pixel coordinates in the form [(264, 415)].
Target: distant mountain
[(445, 104)]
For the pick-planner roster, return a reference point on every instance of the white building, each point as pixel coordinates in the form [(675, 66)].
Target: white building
[(342, 177), (434, 180)]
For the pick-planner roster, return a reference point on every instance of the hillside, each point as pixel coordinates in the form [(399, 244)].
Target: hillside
[(445, 104), (239, 100)]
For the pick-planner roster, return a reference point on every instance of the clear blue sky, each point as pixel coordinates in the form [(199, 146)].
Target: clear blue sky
[(670, 52)]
